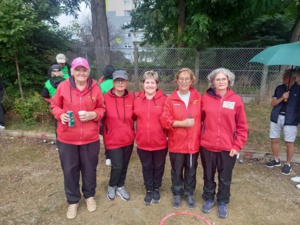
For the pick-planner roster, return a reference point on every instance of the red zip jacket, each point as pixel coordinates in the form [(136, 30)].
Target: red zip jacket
[(224, 122), (150, 135), (118, 128), (68, 97), (181, 139)]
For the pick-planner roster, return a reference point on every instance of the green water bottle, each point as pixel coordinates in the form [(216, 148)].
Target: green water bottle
[(72, 121)]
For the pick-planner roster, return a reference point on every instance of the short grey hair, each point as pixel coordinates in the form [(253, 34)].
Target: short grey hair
[(211, 77), (150, 74)]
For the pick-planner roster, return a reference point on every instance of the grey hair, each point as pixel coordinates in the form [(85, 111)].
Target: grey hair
[(230, 75), (150, 74)]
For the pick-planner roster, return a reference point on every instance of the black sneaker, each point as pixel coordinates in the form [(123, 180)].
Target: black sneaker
[(190, 201), (273, 163), (176, 201), (156, 196), (148, 198), (286, 170)]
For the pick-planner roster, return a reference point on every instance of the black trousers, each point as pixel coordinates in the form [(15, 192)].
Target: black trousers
[(2, 112), (76, 160), (119, 164), (183, 173), (224, 164), (153, 165)]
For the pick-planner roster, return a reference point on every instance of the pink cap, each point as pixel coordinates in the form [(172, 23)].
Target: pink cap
[(80, 62)]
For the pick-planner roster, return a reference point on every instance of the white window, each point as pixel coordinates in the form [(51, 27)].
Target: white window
[(127, 35), (126, 2), (127, 12), (127, 55), (149, 60), (127, 45)]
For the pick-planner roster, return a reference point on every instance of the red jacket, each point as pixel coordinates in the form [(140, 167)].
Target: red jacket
[(181, 139), (150, 135), (68, 97), (224, 122), (118, 128)]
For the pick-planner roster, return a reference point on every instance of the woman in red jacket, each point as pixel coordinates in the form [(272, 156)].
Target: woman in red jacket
[(151, 138), (225, 132), (182, 118), (78, 140), (118, 133)]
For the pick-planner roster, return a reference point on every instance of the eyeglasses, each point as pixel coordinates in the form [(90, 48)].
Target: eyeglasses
[(221, 80), (187, 79), (120, 81)]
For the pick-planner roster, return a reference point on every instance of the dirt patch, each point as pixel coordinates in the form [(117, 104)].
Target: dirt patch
[(31, 188)]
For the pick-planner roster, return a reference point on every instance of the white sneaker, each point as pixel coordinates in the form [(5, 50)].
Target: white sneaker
[(108, 162), (296, 179), (298, 186), (2, 127)]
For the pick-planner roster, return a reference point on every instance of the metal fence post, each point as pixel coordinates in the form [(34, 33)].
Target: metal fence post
[(135, 64), (263, 83)]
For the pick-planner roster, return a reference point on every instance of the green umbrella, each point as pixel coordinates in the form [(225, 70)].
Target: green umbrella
[(284, 54)]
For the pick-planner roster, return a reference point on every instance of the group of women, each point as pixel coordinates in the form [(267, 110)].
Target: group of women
[(184, 124)]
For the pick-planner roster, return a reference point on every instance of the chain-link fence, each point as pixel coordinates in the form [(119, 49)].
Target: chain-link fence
[(253, 82)]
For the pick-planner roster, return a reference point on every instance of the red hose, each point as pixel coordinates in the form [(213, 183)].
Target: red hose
[(187, 213)]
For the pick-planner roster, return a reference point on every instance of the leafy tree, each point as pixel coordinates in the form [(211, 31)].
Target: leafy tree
[(201, 23), (17, 22)]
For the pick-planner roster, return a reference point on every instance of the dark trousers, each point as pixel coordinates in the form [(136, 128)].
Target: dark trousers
[(224, 164), (2, 112), (119, 164), (76, 159), (153, 165), (183, 173)]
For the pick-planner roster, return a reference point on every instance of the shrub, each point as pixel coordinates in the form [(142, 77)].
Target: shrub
[(32, 109)]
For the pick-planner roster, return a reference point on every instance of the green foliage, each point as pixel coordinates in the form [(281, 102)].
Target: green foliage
[(32, 109), (213, 23)]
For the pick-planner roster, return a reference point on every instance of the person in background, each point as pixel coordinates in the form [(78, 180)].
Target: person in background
[(2, 110), (224, 134), (50, 87), (62, 61), (151, 138), (182, 118), (118, 133), (51, 84), (78, 144), (284, 117), (105, 86)]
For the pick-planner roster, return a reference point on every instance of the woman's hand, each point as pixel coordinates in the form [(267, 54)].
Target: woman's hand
[(87, 116), (65, 118), (233, 152)]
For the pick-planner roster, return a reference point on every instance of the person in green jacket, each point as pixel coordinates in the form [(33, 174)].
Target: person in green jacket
[(51, 84), (62, 61), (105, 86)]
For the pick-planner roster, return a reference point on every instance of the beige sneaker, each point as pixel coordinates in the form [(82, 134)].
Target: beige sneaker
[(91, 204), (72, 211)]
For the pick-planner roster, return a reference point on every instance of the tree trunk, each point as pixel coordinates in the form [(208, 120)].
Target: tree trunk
[(181, 20), (18, 73), (100, 34), (296, 31)]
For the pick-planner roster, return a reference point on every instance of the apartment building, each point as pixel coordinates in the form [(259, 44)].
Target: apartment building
[(118, 15)]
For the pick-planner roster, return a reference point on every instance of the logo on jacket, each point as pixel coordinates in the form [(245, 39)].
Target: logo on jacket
[(195, 101), (228, 105), (92, 98), (129, 106), (176, 104)]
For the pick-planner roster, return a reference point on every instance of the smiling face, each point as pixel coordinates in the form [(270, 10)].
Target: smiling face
[(184, 82), (221, 82), (150, 86), (80, 74)]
